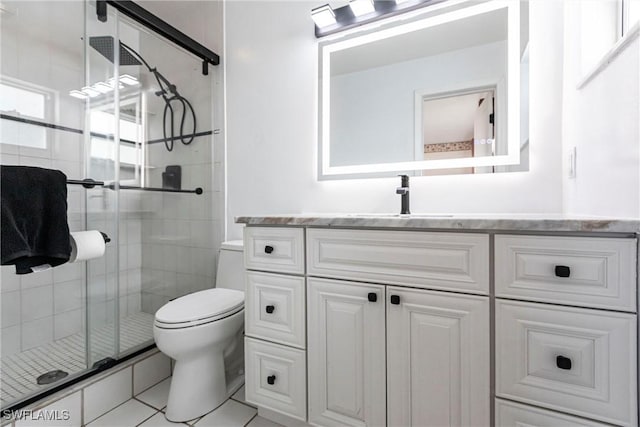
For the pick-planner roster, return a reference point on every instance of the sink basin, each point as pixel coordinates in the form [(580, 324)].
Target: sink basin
[(390, 215)]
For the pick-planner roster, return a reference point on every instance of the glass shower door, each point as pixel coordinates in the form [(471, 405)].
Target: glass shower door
[(102, 163)]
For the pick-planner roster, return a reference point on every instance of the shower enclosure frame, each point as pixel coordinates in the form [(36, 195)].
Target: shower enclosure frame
[(150, 21)]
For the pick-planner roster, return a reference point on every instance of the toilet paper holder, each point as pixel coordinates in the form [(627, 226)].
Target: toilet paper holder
[(106, 238)]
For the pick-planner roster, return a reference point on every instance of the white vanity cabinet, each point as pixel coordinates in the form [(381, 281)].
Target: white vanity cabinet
[(275, 333), (382, 354), (438, 362), (346, 343), (388, 327), (566, 326)]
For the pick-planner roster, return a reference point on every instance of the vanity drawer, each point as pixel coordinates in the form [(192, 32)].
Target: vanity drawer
[(451, 261), (276, 378), (511, 414), (275, 308), (582, 271), (278, 249), (579, 361)]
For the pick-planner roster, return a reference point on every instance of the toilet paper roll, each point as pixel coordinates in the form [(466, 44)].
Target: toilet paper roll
[(86, 245)]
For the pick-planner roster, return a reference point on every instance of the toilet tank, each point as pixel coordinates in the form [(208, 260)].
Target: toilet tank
[(231, 266)]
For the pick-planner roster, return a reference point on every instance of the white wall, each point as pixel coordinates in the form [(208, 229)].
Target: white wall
[(602, 121), (271, 73)]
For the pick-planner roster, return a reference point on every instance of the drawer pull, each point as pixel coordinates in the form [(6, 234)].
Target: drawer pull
[(270, 308), (372, 296), (395, 299), (271, 379), (563, 362), (563, 271), (268, 249)]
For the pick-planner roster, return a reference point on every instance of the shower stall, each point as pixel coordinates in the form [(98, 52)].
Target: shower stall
[(101, 94)]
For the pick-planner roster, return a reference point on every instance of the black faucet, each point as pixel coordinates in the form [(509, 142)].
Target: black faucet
[(403, 190)]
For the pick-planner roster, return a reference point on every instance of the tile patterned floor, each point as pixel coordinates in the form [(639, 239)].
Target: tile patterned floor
[(147, 410), (18, 372)]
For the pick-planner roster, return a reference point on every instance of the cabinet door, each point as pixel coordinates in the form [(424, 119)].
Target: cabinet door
[(437, 359), (346, 356)]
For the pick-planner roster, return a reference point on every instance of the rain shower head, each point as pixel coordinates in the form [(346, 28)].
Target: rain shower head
[(104, 45)]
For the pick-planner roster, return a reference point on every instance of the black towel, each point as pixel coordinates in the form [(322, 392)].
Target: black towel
[(34, 230)]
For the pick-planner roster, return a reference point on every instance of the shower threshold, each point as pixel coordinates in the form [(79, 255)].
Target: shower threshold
[(19, 372)]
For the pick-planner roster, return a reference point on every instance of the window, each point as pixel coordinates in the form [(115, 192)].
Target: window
[(605, 28), (630, 15), (21, 101)]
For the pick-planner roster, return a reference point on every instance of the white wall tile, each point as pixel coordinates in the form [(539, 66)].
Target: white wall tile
[(33, 280), (68, 409), (37, 303), (71, 169), (37, 332), (10, 308), (134, 231), (41, 162), (97, 289), (67, 296), (122, 257), (10, 340), (150, 371), (134, 281), (67, 323), (123, 310), (134, 303), (123, 284), (67, 147), (106, 394), (68, 271), (9, 280), (134, 253)]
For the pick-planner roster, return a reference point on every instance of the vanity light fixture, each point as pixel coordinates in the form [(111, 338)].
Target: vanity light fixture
[(323, 16), (359, 12), (362, 7)]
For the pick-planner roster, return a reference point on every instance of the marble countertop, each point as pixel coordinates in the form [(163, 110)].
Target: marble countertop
[(504, 222)]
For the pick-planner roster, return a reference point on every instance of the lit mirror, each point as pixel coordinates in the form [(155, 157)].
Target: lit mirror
[(442, 92)]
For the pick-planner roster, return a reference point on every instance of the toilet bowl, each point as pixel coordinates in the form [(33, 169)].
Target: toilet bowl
[(199, 331)]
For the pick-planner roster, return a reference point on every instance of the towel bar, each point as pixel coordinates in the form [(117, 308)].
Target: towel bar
[(90, 183)]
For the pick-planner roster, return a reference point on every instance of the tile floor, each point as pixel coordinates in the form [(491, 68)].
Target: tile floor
[(19, 372), (146, 409)]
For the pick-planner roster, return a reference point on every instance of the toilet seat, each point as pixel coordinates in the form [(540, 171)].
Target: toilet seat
[(199, 308)]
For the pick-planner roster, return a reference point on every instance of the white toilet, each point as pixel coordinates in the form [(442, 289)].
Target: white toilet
[(202, 332)]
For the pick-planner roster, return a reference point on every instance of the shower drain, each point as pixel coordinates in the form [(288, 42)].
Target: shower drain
[(51, 377)]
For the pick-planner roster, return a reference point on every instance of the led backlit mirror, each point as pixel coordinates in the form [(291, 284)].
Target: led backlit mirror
[(439, 93)]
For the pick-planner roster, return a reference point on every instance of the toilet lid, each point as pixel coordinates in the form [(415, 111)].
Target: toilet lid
[(201, 305)]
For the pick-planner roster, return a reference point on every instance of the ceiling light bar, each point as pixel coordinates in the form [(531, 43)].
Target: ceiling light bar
[(78, 94), (102, 87), (89, 91), (323, 16), (129, 80), (362, 7), (361, 12)]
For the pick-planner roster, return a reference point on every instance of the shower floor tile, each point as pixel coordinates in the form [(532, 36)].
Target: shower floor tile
[(19, 371)]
